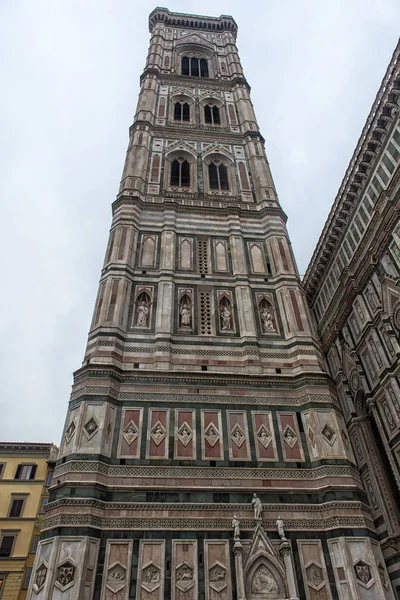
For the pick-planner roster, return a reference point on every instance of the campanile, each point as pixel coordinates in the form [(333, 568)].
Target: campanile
[(204, 454)]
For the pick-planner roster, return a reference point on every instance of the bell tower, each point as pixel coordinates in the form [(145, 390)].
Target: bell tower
[(204, 453)]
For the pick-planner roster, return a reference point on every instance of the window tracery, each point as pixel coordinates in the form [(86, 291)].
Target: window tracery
[(181, 111), (218, 175), (194, 66), (211, 114), (180, 172)]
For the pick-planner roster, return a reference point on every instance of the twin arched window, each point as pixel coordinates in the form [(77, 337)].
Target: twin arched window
[(218, 176), (195, 67), (180, 173), (211, 115), (181, 111)]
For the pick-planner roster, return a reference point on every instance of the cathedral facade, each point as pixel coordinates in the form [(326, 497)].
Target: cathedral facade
[(205, 453), (353, 287)]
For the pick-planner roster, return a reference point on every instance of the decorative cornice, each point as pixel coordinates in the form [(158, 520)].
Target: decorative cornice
[(192, 22), (376, 128)]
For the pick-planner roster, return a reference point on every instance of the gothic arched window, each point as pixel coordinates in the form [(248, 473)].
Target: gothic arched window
[(195, 67), (180, 173), (218, 175), (211, 114), (181, 111)]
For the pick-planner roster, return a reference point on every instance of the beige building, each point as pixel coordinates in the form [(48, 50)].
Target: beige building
[(26, 472)]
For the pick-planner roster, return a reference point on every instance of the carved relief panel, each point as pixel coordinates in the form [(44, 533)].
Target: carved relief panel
[(130, 433), (151, 570), (117, 570), (70, 431), (217, 570), (239, 445), (185, 434), (315, 576), (324, 440), (184, 575), (96, 428), (158, 433), (265, 442), (290, 437), (211, 435)]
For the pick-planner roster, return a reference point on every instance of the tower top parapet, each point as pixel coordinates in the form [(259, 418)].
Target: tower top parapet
[(163, 15)]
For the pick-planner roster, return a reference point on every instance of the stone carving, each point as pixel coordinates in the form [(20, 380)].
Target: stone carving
[(65, 574), (264, 436), (236, 528), (184, 577), (267, 320), (395, 401), (257, 507), (90, 428), (185, 434), (360, 312), (185, 312), (116, 577), (40, 577), (237, 435), (354, 380), (388, 414), (263, 581), (151, 576), (226, 318), (70, 431), (315, 576), (157, 433), (329, 434), (211, 434), (363, 572), (358, 447), (372, 495), (217, 577), (280, 528), (142, 314), (396, 316), (382, 575), (289, 436), (371, 297), (130, 433)]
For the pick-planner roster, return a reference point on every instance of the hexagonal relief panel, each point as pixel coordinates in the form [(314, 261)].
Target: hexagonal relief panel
[(116, 577), (40, 577), (184, 579), (363, 574), (315, 576), (151, 577), (65, 575), (217, 577)]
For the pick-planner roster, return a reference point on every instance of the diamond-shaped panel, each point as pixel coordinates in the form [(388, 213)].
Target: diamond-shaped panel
[(290, 436), (130, 433), (264, 436), (329, 434), (211, 434), (238, 436), (90, 428), (158, 433), (185, 434)]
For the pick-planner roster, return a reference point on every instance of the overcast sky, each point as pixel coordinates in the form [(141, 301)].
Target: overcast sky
[(69, 73)]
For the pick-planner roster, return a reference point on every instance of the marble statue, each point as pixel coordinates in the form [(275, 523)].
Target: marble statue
[(186, 317), (280, 528), (142, 314), (226, 318), (267, 320), (236, 528), (257, 506)]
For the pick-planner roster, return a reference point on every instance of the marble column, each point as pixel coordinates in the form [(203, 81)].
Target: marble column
[(285, 551), (238, 554)]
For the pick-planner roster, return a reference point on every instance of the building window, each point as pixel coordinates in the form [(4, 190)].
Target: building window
[(194, 67), (44, 502), (181, 111), (211, 115), (2, 467), (27, 578), (49, 478), (2, 583), (7, 544), (218, 175), (25, 472), (16, 507), (35, 542), (180, 173)]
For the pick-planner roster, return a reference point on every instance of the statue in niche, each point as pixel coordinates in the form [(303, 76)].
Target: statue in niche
[(236, 528), (142, 314), (185, 316), (263, 581), (226, 317), (257, 507), (267, 319), (280, 528)]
